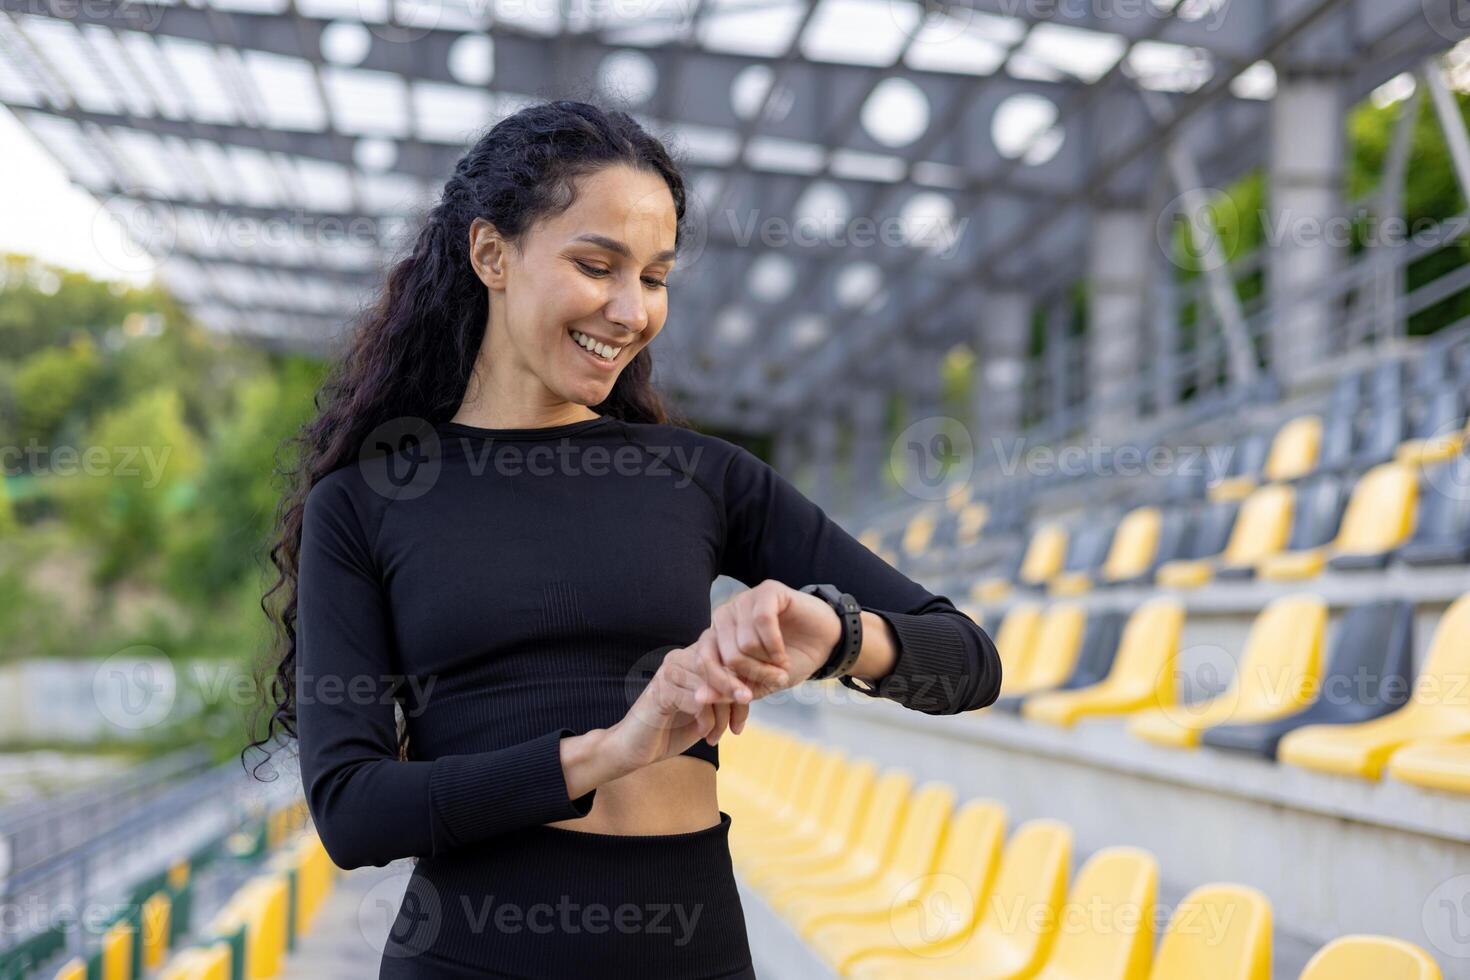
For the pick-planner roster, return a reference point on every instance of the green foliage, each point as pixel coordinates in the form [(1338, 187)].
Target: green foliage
[(135, 459), (49, 385)]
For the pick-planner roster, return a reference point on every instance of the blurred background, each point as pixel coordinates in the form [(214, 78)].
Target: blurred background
[(1138, 328)]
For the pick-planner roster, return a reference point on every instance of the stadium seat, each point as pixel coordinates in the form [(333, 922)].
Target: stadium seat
[(1204, 537), (1314, 523), (1039, 563), (1442, 532), (872, 843), (1243, 471), (1439, 432), (962, 878), (1378, 519), (919, 532), (1130, 556), (1237, 946), (1373, 529), (1052, 653), (1261, 529), (1032, 876), (1094, 658), (1363, 749), (1142, 674), (848, 809), (1279, 672), (1085, 556), (1107, 939), (1368, 674), (1370, 958), (1382, 435), (802, 821), (1434, 764), (1295, 449), (1339, 441), (913, 853), (1016, 639)]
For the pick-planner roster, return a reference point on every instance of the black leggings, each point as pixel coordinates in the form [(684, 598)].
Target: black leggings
[(548, 903)]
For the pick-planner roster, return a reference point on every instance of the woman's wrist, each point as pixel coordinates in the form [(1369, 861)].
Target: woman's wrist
[(879, 652), (587, 762)]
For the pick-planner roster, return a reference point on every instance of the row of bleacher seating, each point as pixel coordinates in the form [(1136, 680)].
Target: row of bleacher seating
[(1417, 417), (888, 881), (251, 934), (1351, 707), (1394, 513)]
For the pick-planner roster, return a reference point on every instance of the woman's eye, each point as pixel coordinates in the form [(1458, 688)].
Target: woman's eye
[(592, 270), (657, 283)]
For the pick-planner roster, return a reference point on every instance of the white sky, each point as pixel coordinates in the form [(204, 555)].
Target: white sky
[(45, 215)]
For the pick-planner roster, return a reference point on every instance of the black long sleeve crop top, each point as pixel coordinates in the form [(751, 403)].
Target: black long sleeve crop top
[(507, 588)]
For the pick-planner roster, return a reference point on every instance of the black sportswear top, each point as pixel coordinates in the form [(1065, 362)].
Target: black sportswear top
[(510, 587)]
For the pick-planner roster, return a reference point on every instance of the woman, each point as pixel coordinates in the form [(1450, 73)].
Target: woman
[(498, 528)]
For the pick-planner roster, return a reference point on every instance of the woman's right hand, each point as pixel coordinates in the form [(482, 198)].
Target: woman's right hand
[(690, 696)]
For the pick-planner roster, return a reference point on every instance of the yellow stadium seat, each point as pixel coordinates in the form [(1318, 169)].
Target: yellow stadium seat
[(1015, 641), (850, 806), (1142, 674), (1379, 518), (770, 792), (863, 861), (1053, 653), (1295, 449), (1370, 958), (1437, 708), (913, 854), (872, 539), (199, 963), (1279, 673), (990, 590), (1434, 764), (1217, 932), (1436, 449), (932, 908), (801, 820), (156, 912), (1134, 545), (970, 522), (1045, 555), (1261, 530), (1118, 943), (757, 777), (1032, 877), (73, 969), (919, 532)]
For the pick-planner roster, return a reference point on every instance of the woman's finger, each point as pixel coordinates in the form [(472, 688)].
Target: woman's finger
[(722, 721), (746, 659), (715, 671), (738, 714)]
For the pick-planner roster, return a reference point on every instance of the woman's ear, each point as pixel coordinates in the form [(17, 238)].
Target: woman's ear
[(487, 253)]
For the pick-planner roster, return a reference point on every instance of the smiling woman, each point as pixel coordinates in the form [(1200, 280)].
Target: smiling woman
[(499, 529)]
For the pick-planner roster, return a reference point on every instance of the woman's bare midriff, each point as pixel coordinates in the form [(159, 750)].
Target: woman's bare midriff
[(672, 796)]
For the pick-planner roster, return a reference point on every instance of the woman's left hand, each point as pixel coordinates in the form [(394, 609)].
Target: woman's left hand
[(773, 637)]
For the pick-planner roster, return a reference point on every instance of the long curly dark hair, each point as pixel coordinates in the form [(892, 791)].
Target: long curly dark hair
[(411, 352)]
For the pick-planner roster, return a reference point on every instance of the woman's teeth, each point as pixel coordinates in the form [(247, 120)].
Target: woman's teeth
[(600, 349)]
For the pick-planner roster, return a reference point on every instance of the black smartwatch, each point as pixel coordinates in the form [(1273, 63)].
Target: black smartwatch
[(845, 654)]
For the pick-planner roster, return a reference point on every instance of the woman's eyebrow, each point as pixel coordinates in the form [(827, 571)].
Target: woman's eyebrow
[(613, 245)]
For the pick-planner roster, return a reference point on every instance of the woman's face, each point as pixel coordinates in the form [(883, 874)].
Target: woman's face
[(596, 271)]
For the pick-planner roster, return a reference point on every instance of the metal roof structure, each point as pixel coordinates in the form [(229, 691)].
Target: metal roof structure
[(862, 169)]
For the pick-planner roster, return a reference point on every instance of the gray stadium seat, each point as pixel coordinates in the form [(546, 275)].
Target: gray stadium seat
[(1094, 660), (1442, 534), (1369, 674)]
